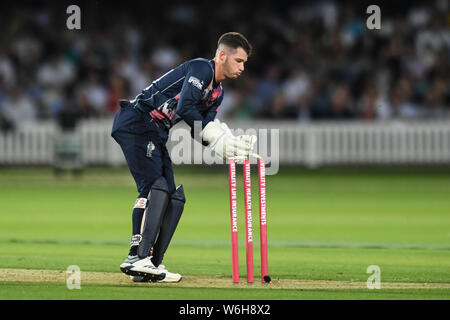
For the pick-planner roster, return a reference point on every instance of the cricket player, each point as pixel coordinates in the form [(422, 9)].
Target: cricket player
[(191, 92)]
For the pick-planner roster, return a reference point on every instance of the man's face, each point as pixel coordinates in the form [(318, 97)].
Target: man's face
[(234, 60)]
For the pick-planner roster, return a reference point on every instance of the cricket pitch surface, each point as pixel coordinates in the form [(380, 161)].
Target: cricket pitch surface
[(192, 281)]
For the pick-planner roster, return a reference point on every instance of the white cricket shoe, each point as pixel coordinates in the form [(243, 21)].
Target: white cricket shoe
[(145, 267), (128, 262), (169, 277)]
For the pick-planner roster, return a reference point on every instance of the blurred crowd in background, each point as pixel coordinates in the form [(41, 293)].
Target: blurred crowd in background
[(312, 61)]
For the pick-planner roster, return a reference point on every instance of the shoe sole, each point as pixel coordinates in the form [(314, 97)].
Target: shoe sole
[(152, 278), (127, 270), (124, 267), (147, 278)]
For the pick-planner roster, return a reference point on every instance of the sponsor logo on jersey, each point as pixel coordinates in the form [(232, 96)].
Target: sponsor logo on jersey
[(196, 82), (150, 148)]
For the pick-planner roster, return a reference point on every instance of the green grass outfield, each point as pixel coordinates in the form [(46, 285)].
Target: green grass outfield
[(324, 225)]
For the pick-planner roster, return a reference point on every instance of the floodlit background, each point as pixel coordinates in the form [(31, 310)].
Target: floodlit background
[(313, 62)]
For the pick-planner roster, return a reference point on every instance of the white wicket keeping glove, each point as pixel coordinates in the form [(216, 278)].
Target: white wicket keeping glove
[(225, 127), (224, 145), (250, 140)]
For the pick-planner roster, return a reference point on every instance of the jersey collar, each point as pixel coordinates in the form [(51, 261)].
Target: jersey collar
[(213, 65)]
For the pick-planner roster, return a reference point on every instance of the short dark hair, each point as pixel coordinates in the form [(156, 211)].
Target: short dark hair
[(235, 40)]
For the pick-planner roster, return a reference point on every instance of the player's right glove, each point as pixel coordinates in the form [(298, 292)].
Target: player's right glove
[(250, 140), (224, 145)]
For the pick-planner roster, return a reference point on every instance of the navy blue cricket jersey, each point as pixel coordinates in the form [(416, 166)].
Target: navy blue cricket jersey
[(187, 92)]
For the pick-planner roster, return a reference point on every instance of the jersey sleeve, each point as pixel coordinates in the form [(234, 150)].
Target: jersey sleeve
[(198, 76), (208, 116)]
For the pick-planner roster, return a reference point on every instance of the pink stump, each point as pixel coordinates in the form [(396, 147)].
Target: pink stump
[(262, 220), (234, 221), (248, 219)]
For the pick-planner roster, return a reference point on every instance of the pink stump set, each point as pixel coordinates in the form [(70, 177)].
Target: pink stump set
[(248, 220)]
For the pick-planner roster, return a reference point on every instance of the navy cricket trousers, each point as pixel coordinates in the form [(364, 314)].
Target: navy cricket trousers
[(144, 145)]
